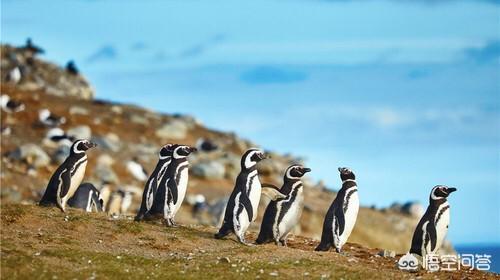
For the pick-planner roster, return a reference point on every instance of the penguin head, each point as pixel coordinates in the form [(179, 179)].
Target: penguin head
[(182, 151), (441, 192), (346, 174), (81, 146), (99, 202), (166, 151), (296, 171), (251, 157)]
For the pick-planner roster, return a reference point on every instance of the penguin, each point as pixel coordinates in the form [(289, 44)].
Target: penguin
[(341, 216), (56, 137), (241, 208), (120, 201), (206, 145), (172, 186), (32, 47), (68, 176), (282, 215), (433, 226), (71, 68), (49, 119), (136, 169), (14, 76), (164, 159), (87, 197), (9, 105)]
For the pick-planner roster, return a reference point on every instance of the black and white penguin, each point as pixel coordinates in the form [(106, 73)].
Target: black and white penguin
[(71, 68), (241, 208), (433, 226), (15, 75), (172, 186), (49, 119), (32, 47), (68, 176), (137, 170), (342, 214), (87, 197), (9, 105), (206, 145), (283, 214), (165, 157), (56, 137)]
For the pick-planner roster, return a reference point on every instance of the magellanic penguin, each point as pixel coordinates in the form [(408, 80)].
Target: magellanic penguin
[(87, 197), (68, 176), (283, 214), (165, 157), (433, 226), (341, 216), (172, 186), (241, 208)]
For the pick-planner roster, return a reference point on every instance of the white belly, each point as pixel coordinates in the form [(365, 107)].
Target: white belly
[(181, 189), (442, 227), (76, 180), (254, 196), (291, 218), (350, 217)]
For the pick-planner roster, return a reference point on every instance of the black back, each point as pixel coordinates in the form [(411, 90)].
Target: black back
[(151, 186), (418, 239), (170, 181), (337, 209), (63, 172), (266, 233), (81, 197)]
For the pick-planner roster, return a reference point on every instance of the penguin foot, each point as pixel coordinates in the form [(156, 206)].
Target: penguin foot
[(283, 243), (322, 247)]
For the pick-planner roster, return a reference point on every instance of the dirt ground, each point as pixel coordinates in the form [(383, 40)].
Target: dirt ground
[(44, 243)]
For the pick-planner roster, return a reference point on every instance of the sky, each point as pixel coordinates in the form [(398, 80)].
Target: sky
[(406, 93)]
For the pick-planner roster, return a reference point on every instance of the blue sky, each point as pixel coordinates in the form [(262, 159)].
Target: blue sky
[(404, 92)]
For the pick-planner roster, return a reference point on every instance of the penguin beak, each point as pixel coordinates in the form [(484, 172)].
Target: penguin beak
[(306, 170), (263, 156), (192, 149), (91, 145), (450, 190)]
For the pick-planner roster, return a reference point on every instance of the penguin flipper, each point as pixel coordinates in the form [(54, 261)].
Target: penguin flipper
[(432, 235), (247, 204), (173, 190), (339, 215), (65, 181), (272, 191)]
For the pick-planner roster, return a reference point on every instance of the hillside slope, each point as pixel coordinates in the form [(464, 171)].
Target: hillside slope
[(45, 243)]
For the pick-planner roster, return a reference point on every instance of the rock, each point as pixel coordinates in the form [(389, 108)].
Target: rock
[(10, 194), (209, 170), (116, 109), (41, 75), (80, 132), (31, 154), (139, 119), (225, 260), (60, 154), (105, 173), (414, 209), (110, 141), (77, 110), (387, 254), (175, 129), (105, 159)]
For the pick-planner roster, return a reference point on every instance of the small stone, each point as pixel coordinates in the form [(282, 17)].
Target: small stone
[(80, 132), (77, 110), (387, 254), (225, 260), (274, 274)]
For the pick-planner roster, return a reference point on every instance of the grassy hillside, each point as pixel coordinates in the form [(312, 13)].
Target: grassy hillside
[(44, 243)]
